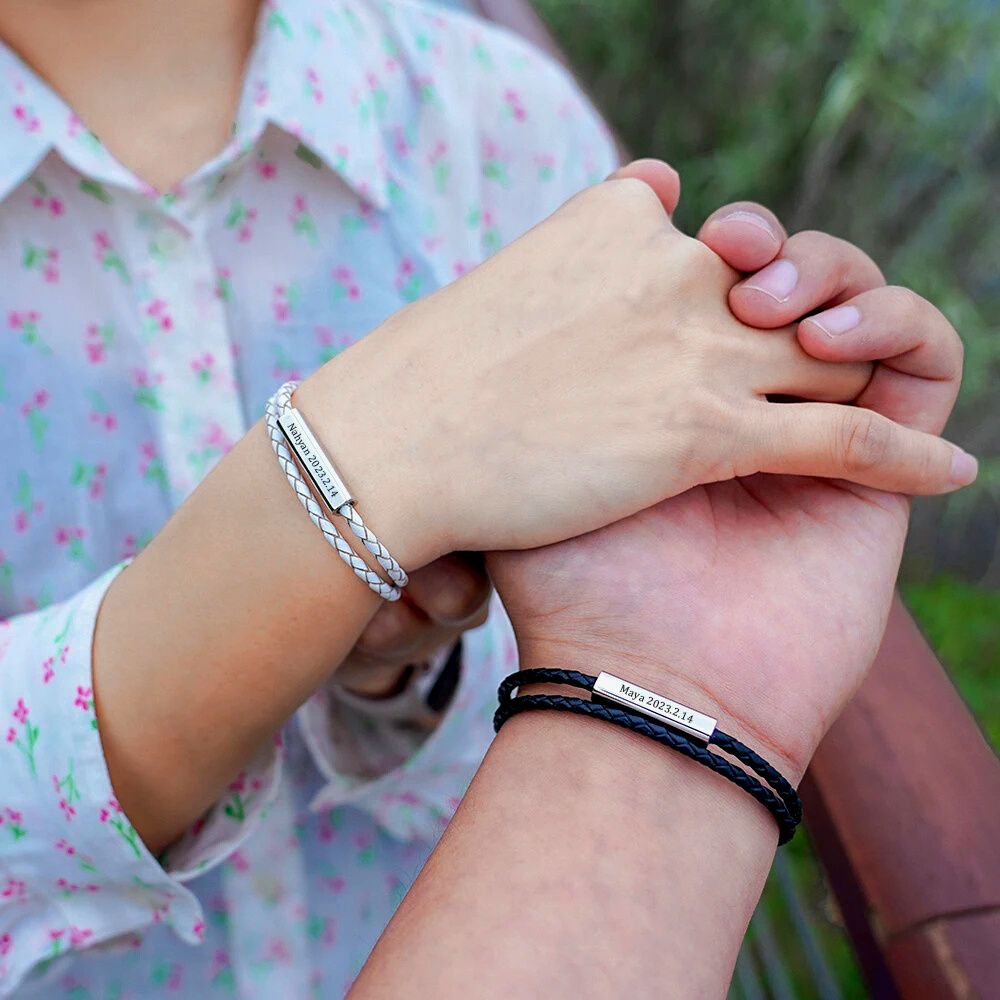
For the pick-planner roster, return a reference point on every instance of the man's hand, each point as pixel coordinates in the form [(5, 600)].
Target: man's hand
[(762, 599), (450, 596)]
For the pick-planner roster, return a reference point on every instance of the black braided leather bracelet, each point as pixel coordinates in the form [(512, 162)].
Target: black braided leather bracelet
[(681, 729)]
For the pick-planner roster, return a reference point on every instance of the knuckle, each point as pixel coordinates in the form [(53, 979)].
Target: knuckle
[(865, 440), (632, 195), (458, 602), (904, 303), (388, 632)]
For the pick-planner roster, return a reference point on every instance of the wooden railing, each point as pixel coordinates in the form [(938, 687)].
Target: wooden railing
[(902, 799)]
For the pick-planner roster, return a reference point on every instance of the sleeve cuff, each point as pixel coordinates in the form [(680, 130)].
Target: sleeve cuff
[(414, 797), (77, 872)]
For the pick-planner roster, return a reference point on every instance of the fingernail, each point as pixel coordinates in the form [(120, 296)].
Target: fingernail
[(742, 215), (836, 321), (964, 468), (777, 280)]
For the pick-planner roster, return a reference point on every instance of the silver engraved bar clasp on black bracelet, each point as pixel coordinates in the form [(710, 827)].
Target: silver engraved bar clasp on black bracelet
[(616, 691)]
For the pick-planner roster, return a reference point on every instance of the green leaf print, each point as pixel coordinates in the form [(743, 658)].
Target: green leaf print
[(235, 809), (306, 155), (95, 190), (38, 424), (278, 21)]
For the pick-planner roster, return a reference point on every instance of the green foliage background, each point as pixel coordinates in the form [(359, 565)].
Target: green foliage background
[(876, 121)]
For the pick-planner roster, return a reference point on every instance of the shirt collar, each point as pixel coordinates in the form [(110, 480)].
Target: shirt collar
[(306, 75)]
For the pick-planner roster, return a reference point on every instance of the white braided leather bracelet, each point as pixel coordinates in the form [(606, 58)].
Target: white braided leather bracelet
[(288, 432)]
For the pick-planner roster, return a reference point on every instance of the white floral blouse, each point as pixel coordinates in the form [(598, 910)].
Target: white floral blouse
[(380, 150)]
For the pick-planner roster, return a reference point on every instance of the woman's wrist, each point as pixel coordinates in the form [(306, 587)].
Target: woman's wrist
[(393, 466)]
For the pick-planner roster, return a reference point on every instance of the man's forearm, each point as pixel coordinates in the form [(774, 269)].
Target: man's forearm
[(585, 861)]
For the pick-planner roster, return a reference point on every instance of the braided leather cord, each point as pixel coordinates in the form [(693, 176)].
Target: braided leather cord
[(786, 806), (396, 572), (315, 512)]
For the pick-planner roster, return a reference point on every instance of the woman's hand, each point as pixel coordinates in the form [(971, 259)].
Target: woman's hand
[(586, 372), (763, 599)]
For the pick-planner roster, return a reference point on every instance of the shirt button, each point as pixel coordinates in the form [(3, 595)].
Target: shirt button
[(168, 243)]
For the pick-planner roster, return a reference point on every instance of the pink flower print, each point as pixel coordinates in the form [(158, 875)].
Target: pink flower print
[(313, 88), (114, 816), (78, 936), (284, 368), (302, 222), (345, 287), (5, 944), (202, 368), (335, 883), (42, 259), (482, 219), (26, 118), (267, 170), (98, 339), (71, 537), (158, 318), (47, 669), (239, 861), (235, 808), (376, 100), (84, 698), (408, 282), (25, 322), (216, 437), (199, 929), (512, 99), (364, 217), (283, 301), (546, 164), (28, 737), (224, 284), (14, 889), (100, 412), (214, 442), (53, 206), (401, 141), (110, 259), (241, 219), (440, 167), (494, 163), (147, 392), (91, 477), (151, 466), (132, 545), (27, 504), (330, 342)]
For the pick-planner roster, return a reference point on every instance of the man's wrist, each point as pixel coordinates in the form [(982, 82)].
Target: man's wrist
[(780, 740)]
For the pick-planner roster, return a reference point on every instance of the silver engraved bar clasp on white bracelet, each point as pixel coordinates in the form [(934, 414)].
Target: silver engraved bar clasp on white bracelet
[(314, 461), (609, 688)]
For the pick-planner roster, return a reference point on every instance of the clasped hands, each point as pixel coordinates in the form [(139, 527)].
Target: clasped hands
[(758, 590)]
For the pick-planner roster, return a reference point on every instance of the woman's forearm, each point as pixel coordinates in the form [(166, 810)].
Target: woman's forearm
[(231, 617), (585, 861)]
